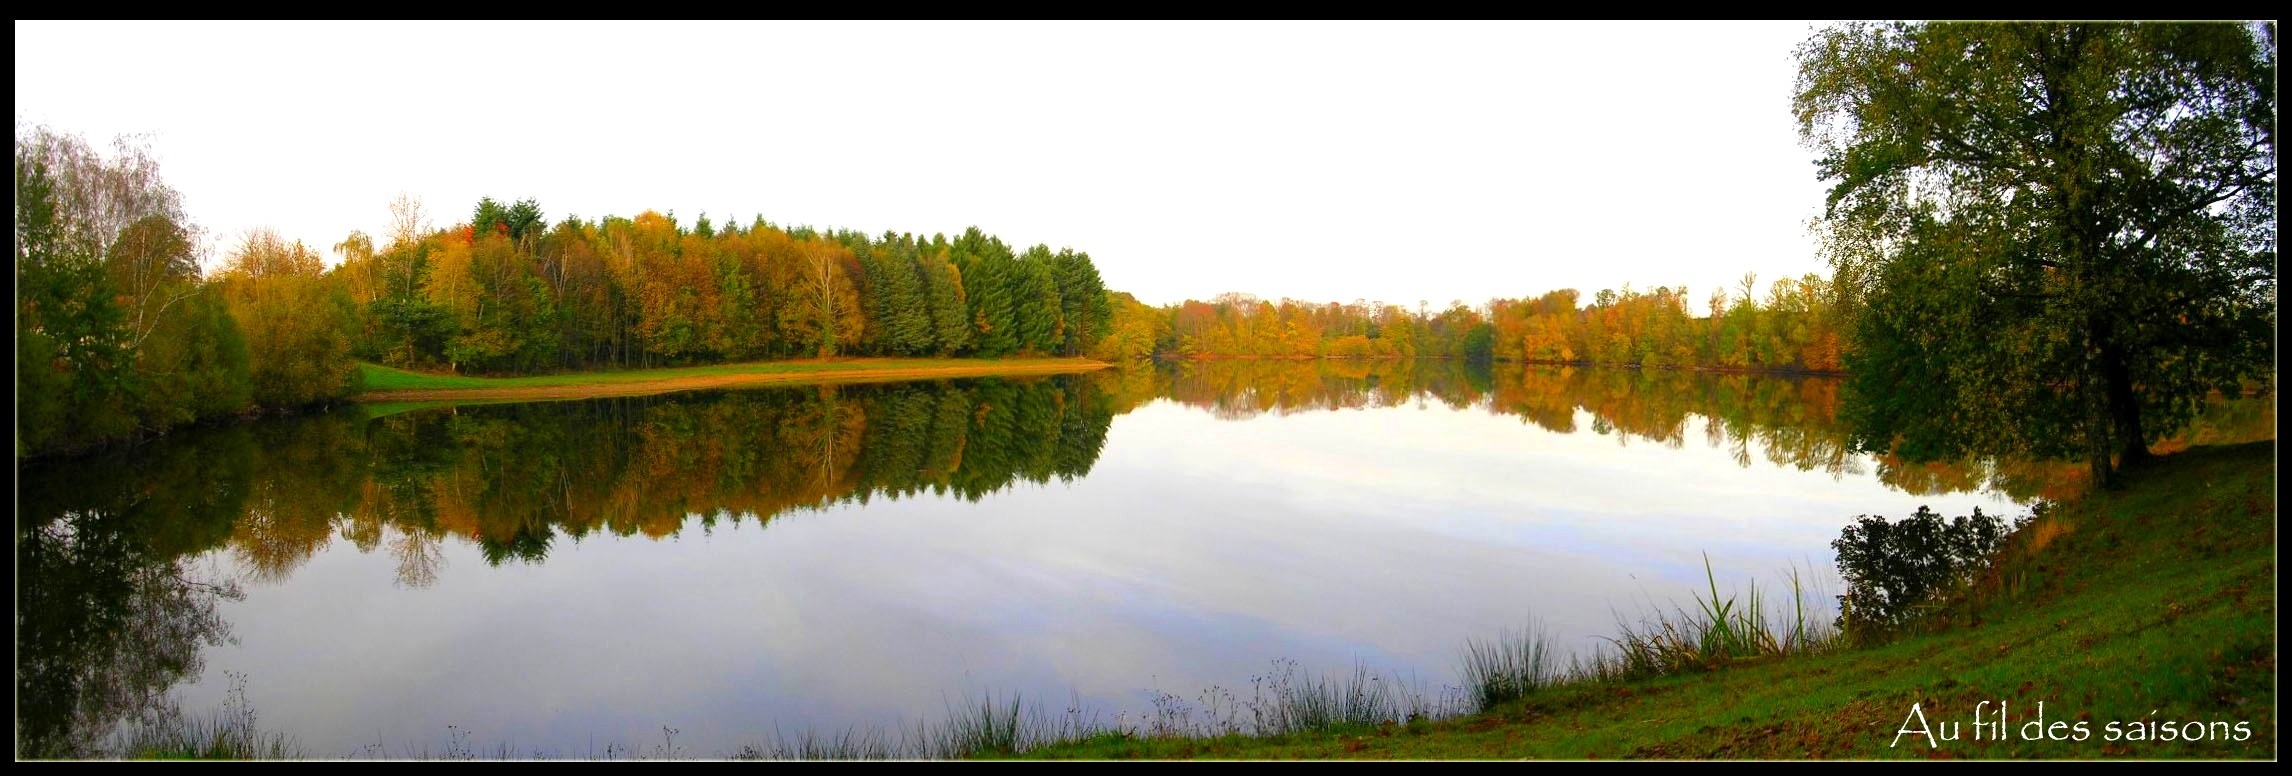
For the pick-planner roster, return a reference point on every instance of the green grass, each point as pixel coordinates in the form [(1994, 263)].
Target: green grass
[(1719, 631), (851, 744), (384, 409), (1510, 667), (377, 378), (231, 733), (1284, 701), (989, 727), (2152, 603), (982, 727), (212, 740)]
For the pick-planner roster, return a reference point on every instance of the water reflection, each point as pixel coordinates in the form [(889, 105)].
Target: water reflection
[(1316, 512), (111, 610), (1781, 420)]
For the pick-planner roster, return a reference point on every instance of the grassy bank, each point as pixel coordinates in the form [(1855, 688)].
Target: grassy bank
[(384, 384), (2120, 613)]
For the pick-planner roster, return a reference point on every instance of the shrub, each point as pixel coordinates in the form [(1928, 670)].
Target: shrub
[(1893, 569)]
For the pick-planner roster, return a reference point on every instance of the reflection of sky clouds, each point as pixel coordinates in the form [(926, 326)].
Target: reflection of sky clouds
[(1196, 551)]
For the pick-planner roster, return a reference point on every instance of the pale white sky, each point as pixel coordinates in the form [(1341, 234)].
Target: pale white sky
[(1326, 162)]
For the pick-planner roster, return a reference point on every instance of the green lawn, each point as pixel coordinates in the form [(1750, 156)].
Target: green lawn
[(379, 378)]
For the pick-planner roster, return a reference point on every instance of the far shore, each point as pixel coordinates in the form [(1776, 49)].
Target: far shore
[(385, 384)]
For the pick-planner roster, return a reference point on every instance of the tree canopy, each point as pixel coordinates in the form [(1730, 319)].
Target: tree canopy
[(2055, 239)]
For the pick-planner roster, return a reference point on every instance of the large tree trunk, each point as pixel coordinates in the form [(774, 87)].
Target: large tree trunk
[(2124, 407), (2097, 427), (2094, 393)]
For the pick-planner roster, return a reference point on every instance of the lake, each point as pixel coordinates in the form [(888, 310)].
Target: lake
[(690, 574)]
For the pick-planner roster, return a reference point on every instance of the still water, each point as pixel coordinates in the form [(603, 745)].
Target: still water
[(571, 578)]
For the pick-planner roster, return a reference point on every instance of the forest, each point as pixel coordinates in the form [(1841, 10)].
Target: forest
[(128, 331), (125, 333), (1797, 328)]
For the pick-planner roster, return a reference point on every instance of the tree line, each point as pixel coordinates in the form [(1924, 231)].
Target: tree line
[(120, 330), (508, 293), (1797, 328), (124, 332)]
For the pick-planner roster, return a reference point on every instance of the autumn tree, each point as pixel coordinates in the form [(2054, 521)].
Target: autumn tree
[(71, 336), (1135, 330), (2060, 236), (590, 307), (298, 326), (118, 334), (826, 312), (510, 324), (666, 290), (399, 324)]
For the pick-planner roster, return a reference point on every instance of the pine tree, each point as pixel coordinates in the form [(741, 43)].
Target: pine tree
[(988, 279)]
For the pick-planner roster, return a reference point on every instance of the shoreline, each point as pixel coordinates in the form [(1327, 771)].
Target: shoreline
[(404, 386)]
